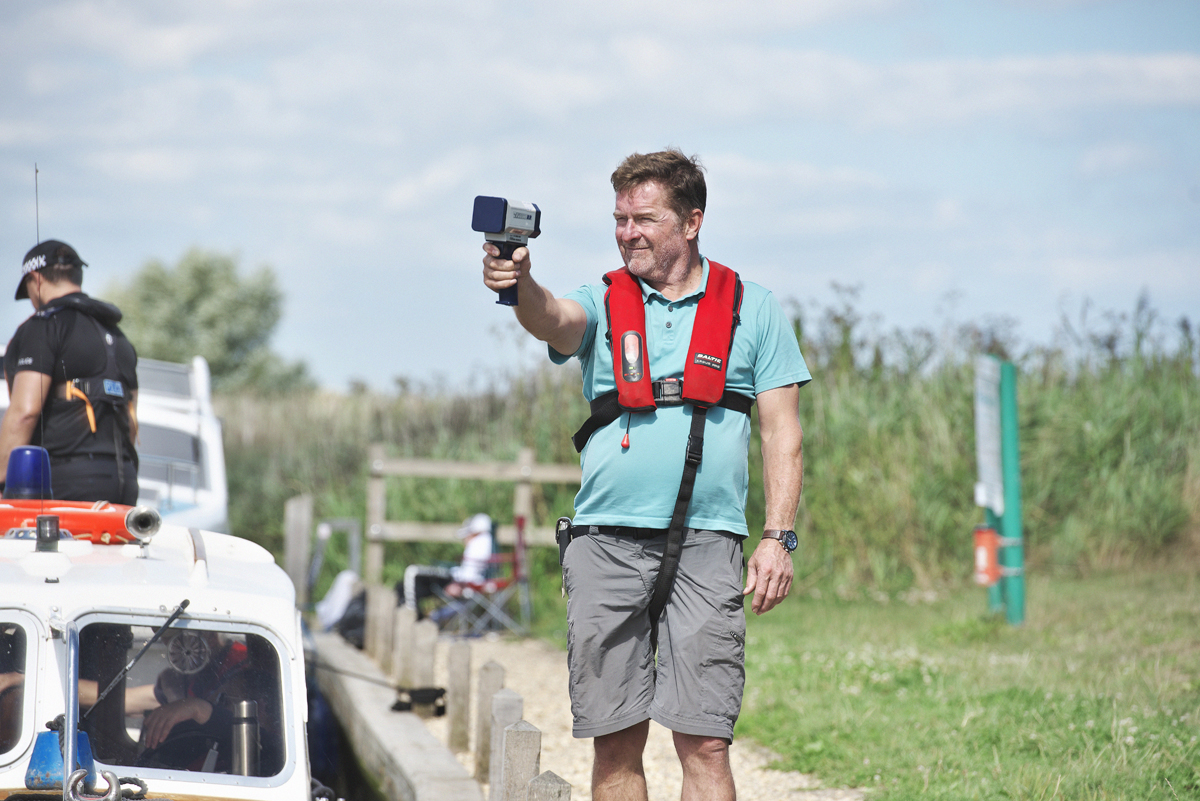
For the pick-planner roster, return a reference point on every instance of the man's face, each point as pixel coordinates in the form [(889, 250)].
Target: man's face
[(653, 241), (33, 287)]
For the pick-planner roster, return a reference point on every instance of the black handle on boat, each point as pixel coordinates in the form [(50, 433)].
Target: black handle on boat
[(117, 678)]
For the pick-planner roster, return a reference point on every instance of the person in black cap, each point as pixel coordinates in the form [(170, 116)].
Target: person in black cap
[(72, 383)]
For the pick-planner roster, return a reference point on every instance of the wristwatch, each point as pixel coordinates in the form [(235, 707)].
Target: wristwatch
[(786, 538)]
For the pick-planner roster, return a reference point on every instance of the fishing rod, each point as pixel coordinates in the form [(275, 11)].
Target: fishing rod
[(117, 679)]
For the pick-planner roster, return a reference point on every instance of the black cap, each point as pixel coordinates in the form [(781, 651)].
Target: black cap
[(46, 254)]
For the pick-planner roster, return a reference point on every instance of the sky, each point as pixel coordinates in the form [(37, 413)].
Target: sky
[(948, 161)]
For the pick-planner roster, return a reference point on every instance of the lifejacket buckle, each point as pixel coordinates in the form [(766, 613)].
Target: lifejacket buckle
[(668, 391), (695, 450)]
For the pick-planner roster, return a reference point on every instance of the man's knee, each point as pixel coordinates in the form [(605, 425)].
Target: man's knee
[(701, 748), (622, 747)]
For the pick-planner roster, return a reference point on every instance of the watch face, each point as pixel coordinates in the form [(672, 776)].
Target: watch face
[(789, 540)]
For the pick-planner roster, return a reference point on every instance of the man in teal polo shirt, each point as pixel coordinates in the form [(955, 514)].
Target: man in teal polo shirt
[(632, 465)]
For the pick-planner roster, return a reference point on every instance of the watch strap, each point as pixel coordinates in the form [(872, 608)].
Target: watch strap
[(778, 534)]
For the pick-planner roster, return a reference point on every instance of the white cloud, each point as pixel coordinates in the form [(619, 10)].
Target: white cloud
[(138, 37), (158, 165), (1114, 158)]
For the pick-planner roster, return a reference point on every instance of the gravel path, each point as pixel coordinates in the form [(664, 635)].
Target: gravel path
[(538, 673)]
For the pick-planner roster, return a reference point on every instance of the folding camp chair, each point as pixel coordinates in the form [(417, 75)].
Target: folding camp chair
[(482, 606)]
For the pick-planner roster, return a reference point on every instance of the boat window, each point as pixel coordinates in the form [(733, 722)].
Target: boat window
[(12, 684), (164, 378), (183, 704), (171, 456)]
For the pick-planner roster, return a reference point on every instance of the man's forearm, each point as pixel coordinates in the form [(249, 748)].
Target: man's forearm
[(783, 462), (15, 431), (783, 477), (557, 322)]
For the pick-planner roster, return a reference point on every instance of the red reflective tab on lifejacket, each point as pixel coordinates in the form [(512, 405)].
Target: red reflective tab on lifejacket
[(627, 327)]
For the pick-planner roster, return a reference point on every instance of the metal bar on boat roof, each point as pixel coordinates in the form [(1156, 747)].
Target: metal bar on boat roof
[(71, 721)]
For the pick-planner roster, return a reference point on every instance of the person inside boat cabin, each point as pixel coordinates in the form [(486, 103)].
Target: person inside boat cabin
[(72, 383)]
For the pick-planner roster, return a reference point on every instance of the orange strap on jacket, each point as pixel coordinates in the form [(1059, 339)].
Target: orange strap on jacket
[(73, 393)]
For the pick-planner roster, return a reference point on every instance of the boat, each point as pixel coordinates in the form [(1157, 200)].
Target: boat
[(157, 660), (181, 469)]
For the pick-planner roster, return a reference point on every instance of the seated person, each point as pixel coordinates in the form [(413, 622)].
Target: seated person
[(187, 718), (195, 697), (419, 580)]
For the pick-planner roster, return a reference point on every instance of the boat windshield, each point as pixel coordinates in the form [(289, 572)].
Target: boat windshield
[(199, 699), (12, 684)]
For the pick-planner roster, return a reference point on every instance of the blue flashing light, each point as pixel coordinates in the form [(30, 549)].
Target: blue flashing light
[(28, 474)]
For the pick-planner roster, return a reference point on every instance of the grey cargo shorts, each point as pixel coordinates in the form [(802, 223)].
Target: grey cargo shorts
[(695, 687)]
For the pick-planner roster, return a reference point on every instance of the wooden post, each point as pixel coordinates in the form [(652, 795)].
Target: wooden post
[(424, 653), (491, 681), (371, 621), (380, 602), (549, 786), (523, 495), (458, 695), (522, 760), (507, 708), (297, 543), (387, 629), (376, 515), (402, 646)]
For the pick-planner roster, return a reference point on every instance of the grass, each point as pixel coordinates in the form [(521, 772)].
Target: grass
[(1097, 696)]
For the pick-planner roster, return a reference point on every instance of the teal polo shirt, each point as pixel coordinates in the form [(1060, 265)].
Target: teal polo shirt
[(637, 486)]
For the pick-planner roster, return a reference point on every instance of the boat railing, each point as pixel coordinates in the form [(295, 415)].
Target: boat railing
[(71, 722)]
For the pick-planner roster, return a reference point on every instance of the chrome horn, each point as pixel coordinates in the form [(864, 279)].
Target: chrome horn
[(143, 522)]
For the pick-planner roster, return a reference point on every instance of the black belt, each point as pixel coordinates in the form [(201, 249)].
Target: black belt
[(75, 457), (625, 531)]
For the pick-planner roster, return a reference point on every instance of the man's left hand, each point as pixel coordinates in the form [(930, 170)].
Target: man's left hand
[(768, 575), (158, 724)]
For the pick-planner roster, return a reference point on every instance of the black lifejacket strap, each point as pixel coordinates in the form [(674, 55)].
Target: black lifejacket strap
[(606, 409), (674, 547)]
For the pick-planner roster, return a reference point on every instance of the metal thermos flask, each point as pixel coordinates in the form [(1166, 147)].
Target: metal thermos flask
[(245, 738)]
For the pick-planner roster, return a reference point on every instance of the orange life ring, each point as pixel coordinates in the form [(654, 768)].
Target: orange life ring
[(100, 522)]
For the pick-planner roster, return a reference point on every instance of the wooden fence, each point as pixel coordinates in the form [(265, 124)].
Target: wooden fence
[(524, 472)]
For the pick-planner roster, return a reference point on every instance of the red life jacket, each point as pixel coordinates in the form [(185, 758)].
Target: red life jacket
[(717, 317)]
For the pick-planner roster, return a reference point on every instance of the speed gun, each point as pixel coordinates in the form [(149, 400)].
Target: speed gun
[(508, 224)]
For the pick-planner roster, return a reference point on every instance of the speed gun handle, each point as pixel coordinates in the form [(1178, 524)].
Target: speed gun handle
[(507, 224), (508, 295)]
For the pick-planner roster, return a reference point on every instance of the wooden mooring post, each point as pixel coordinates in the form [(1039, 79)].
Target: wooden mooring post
[(491, 681), (458, 695)]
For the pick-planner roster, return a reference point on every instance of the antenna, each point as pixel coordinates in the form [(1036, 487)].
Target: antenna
[(37, 221)]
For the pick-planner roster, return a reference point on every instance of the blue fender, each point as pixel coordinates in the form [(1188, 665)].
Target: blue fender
[(46, 765)]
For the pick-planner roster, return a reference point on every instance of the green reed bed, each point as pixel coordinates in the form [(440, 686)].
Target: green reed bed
[(1110, 450)]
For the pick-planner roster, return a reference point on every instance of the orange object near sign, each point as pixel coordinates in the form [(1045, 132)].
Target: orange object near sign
[(987, 563)]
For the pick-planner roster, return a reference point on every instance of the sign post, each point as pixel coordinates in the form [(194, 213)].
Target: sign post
[(998, 489)]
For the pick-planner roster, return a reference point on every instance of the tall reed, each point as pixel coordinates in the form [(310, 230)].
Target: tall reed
[(1109, 427)]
